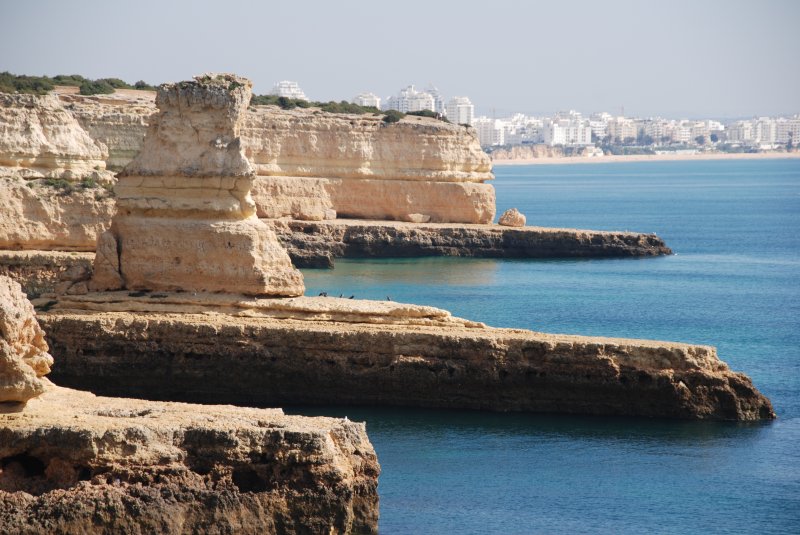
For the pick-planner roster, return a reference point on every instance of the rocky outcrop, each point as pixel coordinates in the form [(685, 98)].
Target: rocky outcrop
[(76, 463), (186, 219), (43, 272), (24, 360), (415, 166), (40, 139), (512, 218), (118, 121), (71, 462), (318, 243), (247, 358), (52, 175), (53, 215)]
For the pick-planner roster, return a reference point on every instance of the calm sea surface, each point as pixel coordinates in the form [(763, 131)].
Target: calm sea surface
[(734, 283)]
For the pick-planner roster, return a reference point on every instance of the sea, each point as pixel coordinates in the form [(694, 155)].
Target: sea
[(733, 282)]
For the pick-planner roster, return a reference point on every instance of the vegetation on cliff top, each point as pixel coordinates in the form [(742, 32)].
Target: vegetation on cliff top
[(40, 85), (389, 116)]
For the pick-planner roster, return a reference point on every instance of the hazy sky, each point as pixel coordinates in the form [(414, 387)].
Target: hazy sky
[(676, 58)]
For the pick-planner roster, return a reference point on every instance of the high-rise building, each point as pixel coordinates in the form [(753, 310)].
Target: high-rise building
[(288, 89), (368, 99), (460, 110), (409, 99), (438, 99)]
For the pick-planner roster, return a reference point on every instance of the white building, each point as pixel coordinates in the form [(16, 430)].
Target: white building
[(567, 132), (621, 128), (438, 99), (460, 110), (409, 99), (368, 99), (490, 131), (288, 89), (788, 129)]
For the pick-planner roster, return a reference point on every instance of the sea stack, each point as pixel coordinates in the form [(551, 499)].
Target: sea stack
[(185, 218)]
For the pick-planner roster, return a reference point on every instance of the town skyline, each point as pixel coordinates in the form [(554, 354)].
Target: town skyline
[(685, 59)]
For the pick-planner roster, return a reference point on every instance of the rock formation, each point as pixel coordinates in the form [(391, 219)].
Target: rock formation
[(318, 243), (40, 139), (512, 218), (71, 462), (51, 173), (342, 351), (415, 166), (186, 219), (24, 360)]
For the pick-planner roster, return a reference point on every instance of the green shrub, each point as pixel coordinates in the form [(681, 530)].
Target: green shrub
[(392, 116), (40, 85)]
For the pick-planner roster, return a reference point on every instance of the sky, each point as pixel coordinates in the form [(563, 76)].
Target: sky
[(676, 58)]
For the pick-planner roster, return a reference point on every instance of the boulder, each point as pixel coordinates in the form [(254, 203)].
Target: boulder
[(24, 360), (512, 218)]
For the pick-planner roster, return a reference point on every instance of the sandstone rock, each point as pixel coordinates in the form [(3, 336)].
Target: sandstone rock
[(40, 215), (38, 272), (76, 463), (78, 288), (395, 361), (186, 219), (416, 218), (512, 218), (317, 243), (418, 165), (40, 139), (24, 360), (76, 273)]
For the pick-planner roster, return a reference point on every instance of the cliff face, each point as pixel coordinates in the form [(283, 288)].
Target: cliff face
[(40, 139), (76, 463), (71, 462), (317, 244), (119, 123), (186, 219), (313, 360)]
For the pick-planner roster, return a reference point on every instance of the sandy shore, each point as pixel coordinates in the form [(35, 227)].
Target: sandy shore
[(651, 158)]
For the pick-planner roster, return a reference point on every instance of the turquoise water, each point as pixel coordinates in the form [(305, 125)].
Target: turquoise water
[(734, 283)]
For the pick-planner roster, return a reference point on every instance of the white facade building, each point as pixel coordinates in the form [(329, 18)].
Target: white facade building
[(409, 99), (288, 89), (460, 110), (567, 132), (368, 99)]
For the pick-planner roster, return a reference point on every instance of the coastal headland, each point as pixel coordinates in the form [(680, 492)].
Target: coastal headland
[(325, 350)]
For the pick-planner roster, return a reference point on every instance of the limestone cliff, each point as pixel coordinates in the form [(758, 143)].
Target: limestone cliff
[(75, 463), (417, 166), (71, 462), (52, 175), (40, 139), (300, 358), (186, 219), (318, 243)]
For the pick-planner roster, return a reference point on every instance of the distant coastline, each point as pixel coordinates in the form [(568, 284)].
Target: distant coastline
[(648, 158)]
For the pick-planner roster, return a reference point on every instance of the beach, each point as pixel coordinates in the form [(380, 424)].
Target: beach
[(650, 158)]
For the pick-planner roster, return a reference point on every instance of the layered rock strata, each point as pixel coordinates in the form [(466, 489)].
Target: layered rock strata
[(186, 219), (76, 463), (46, 272), (41, 139), (318, 243), (52, 175), (311, 354), (71, 462), (417, 167)]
